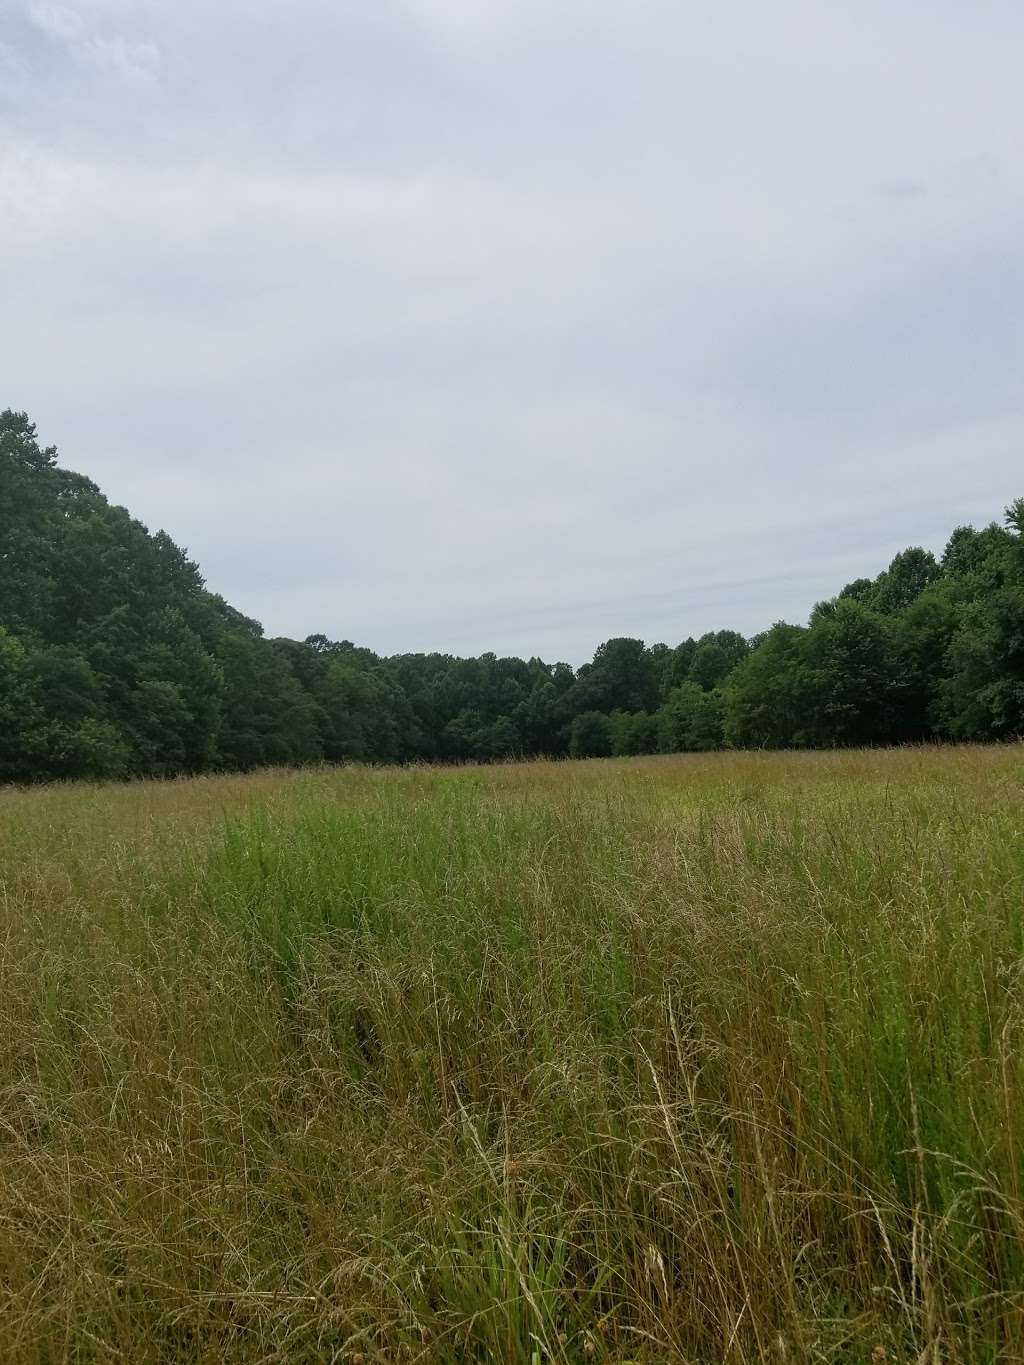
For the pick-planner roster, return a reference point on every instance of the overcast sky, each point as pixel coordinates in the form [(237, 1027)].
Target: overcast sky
[(466, 325)]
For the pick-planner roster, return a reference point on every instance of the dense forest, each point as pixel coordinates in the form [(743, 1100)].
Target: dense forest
[(116, 661)]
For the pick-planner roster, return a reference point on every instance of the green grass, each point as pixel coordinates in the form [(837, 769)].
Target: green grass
[(701, 1059)]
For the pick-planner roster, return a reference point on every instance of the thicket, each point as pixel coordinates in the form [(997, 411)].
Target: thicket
[(115, 660)]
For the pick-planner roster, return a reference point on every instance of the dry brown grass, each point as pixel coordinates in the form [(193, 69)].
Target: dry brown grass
[(703, 1059)]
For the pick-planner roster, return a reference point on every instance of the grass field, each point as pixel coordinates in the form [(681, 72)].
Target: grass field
[(701, 1059)]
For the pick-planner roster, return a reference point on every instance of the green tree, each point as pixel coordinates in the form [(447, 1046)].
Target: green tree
[(983, 697), (904, 580), (633, 733), (29, 491), (591, 735), (540, 721), (691, 720), (769, 695), (91, 748), (21, 719), (173, 656), (983, 694), (114, 659), (969, 552), (715, 656), (851, 678), (860, 590), (622, 677), (679, 666), (269, 717), (924, 632)]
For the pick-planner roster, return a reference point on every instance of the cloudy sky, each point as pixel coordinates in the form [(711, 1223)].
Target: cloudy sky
[(472, 324)]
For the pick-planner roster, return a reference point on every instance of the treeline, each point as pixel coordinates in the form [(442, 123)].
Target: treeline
[(116, 661)]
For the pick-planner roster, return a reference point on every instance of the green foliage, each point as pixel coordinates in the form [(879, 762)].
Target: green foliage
[(590, 735), (909, 574), (268, 716), (836, 683), (30, 488), (849, 677), (983, 695), (116, 661), (678, 668), (21, 717), (715, 657), (622, 677), (969, 552), (633, 734), (767, 702), (91, 748), (691, 721), (924, 634), (905, 579)]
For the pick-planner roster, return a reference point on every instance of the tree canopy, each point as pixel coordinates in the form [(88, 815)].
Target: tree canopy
[(115, 661)]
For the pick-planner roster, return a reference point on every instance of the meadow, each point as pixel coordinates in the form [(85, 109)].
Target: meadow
[(704, 1058)]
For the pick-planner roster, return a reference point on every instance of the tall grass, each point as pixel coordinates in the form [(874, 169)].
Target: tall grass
[(697, 1059)]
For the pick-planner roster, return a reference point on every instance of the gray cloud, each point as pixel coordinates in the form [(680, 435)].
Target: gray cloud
[(445, 325)]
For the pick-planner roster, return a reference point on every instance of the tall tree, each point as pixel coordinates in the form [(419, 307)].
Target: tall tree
[(116, 660), (983, 694)]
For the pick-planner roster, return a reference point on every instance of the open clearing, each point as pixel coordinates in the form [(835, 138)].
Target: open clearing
[(700, 1058)]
